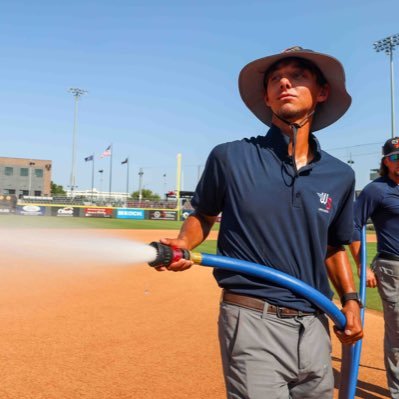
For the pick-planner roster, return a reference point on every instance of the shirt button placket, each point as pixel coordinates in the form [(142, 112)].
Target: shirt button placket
[(296, 196)]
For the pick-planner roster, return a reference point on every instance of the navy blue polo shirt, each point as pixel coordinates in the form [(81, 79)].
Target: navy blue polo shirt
[(379, 200), (272, 217)]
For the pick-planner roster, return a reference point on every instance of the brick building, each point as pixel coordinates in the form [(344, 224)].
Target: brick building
[(22, 176)]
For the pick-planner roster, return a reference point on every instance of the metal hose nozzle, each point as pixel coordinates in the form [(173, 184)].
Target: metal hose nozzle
[(167, 255)]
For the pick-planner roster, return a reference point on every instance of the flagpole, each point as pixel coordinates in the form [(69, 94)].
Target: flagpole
[(101, 171), (92, 179), (178, 185), (127, 179), (110, 172)]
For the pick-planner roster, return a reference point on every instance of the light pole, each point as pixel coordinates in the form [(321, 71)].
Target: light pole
[(77, 93), (388, 45), (126, 161), (30, 177), (141, 173)]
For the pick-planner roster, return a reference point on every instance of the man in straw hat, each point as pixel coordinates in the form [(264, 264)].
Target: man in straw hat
[(286, 204), (379, 200)]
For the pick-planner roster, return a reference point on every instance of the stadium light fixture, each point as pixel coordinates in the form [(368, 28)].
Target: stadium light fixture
[(387, 45)]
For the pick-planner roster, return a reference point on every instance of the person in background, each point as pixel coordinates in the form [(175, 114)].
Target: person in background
[(379, 200)]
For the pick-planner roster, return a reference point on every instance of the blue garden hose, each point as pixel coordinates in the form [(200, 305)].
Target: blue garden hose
[(362, 293), (282, 279), (349, 368), (351, 353)]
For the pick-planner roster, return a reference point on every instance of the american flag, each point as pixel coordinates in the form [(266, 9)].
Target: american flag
[(106, 153)]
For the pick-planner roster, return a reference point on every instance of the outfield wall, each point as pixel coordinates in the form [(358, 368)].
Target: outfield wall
[(97, 212)]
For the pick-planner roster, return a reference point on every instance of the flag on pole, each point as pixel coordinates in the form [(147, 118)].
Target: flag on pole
[(89, 158), (106, 153), (125, 161)]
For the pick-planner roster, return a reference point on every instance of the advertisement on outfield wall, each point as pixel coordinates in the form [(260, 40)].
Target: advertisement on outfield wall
[(163, 215), (66, 211), (98, 212), (130, 213), (31, 210)]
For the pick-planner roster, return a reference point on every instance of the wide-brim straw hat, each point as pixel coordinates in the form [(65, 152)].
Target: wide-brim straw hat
[(252, 90)]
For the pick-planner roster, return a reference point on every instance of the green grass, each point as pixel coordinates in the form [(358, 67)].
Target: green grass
[(10, 221), (373, 300), (208, 247)]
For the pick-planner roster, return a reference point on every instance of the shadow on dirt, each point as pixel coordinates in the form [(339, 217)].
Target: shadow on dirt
[(364, 390)]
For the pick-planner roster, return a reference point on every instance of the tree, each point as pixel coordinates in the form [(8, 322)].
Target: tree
[(57, 189), (146, 195)]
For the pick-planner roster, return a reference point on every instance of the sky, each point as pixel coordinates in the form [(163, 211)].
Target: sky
[(161, 80)]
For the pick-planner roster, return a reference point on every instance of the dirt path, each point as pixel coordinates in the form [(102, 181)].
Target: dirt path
[(124, 332)]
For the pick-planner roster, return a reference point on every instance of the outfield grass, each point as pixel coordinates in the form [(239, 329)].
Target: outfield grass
[(373, 300), (87, 223), (208, 247)]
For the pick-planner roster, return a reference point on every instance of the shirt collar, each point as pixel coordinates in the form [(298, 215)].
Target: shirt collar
[(278, 142)]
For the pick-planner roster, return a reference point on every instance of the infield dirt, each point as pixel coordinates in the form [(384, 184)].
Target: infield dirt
[(125, 332)]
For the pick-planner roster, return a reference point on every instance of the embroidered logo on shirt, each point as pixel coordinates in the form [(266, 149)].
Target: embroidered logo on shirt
[(326, 200)]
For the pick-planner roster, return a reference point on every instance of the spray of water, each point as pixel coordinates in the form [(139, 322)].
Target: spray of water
[(71, 247)]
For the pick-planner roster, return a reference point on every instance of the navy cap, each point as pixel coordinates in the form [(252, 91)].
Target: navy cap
[(391, 147)]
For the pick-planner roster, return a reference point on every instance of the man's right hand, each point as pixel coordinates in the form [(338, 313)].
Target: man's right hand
[(180, 265), (371, 279)]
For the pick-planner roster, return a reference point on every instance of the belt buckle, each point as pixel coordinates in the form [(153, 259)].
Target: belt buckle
[(281, 315), (301, 314)]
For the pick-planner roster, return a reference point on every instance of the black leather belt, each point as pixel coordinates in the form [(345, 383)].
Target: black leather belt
[(258, 304), (388, 256)]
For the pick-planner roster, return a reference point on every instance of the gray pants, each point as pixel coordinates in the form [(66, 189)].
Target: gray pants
[(387, 272), (267, 357)]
